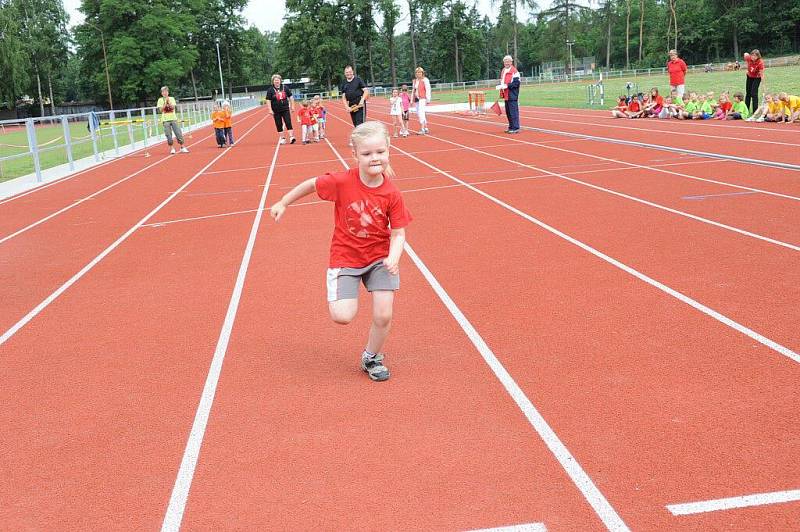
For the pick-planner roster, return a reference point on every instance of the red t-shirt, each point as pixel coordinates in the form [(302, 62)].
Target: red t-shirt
[(306, 117), (677, 71), (634, 106), (725, 106), (755, 67), (363, 217), (659, 101)]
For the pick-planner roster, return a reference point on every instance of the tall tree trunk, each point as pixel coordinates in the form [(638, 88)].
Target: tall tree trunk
[(392, 59), (608, 36), (194, 86), (412, 26), (735, 41), (52, 100), (641, 30), (673, 7), (516, 50), (39, 88), (628, 36)]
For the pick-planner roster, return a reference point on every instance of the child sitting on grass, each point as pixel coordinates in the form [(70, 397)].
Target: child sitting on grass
[(739, 111)]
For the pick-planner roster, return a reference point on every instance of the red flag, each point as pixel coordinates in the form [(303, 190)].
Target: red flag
[(495, 108)]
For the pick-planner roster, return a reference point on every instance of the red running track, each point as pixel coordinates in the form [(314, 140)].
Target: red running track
[(658, 402)]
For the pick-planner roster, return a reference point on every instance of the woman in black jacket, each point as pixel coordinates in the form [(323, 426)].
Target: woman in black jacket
[(282, 107)]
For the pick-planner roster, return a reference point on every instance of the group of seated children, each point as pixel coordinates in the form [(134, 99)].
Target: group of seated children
[(776, 107), (312, 118)]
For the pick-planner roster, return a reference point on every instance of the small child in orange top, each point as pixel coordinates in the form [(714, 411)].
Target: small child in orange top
[(226, 108), (307, 120), (218, 119)]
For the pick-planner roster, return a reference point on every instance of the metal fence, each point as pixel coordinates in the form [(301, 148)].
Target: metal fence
[(32, 145)]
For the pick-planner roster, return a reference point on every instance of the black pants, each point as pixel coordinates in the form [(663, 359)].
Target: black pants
[(281, 118), (359, 116), (512, 112), (751, 93), (220, 133)]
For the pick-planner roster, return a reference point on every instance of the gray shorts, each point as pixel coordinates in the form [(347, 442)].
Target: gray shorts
[(343, 282)]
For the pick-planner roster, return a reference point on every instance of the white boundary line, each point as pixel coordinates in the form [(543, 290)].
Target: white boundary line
[(528, 527), (629, 197), (100, 164), (655, 168), (75, 278), (579, 477), (94, 194), (750, 333), (183, 481), (745, 501)]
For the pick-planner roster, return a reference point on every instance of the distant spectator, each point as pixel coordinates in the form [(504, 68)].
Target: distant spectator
[(677, 73), (755, 74)]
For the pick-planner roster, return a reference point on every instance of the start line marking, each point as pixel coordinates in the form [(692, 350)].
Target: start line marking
[(745, 501), (529, 527)]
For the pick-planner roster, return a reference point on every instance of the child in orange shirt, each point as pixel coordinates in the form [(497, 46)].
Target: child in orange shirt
[(218, 119), (226, 108)]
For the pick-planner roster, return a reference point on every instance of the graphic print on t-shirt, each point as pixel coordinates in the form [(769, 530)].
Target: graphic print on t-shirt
[(365, 219)]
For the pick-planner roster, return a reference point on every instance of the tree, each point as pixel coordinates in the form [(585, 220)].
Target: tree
[(14, 62), (391, 16)]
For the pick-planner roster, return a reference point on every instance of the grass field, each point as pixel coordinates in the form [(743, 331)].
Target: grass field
[(52, 150), (573, 94)]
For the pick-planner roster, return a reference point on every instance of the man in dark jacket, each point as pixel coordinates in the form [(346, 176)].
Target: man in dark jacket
[(509, 91)]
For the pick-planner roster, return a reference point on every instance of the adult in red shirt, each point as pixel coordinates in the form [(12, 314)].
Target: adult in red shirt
[(755, 73), (677, 73)]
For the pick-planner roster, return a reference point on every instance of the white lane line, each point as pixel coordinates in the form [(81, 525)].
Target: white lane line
[(195, 218), (704, 196), (93, 195), (94, 167), (72, 280), (183, 481), (745, 501), (721, 225), (750, 333), (528, 527), (218, 193), (655, 168), (579, 477), (682, 133)]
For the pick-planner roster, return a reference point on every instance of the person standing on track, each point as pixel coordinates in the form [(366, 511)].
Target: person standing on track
[(281, 108), (509, 91), (677, 69), (354, 96), (755, 75), (169, 120), (368, 236), (421, 95)]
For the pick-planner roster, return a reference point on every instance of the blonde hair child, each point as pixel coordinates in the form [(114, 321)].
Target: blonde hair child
[(368, 237)]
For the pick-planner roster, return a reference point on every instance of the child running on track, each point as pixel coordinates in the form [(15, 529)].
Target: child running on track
[(218, 119), (406, 104), (226, 108), (369, 232), (322, 115), (396, 111)]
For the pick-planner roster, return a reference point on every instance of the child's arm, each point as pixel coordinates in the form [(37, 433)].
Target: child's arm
[(396, 241), (303, 189)]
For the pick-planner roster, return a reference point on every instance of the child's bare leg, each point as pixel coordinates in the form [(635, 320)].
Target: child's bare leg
[(343, 310), (382, 303)]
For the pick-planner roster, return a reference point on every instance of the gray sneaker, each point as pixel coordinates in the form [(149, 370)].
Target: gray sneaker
[(373, 366)]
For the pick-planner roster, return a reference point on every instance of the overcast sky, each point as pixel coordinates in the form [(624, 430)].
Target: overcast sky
[(270, 18)]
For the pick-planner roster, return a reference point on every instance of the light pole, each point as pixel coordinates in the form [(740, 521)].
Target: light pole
[(569, 46), (105, 60), (219, 63)]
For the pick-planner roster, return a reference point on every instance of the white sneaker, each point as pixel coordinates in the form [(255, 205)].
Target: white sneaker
[(172, 151), (282, 141), (184, 149), (760, 119)]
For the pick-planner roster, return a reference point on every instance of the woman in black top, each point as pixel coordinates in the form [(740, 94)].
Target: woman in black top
[(282, 104), (354, 96)]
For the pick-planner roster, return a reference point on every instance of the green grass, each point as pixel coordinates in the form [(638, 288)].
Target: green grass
[(82, 145), (573, 94)]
